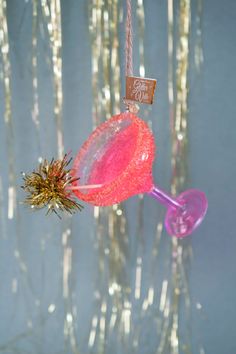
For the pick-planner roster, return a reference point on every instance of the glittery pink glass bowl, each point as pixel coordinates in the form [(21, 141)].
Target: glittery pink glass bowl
[(118, 157)]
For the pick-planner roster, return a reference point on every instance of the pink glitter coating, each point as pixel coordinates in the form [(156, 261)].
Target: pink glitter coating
[(119, 155)]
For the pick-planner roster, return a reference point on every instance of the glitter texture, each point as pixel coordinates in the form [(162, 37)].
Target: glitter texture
[(119, 155)]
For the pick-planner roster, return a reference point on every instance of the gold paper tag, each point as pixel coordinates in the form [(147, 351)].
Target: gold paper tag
[(140, 89)]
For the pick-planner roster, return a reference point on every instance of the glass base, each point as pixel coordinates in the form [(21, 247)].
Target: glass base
[(181, 222)]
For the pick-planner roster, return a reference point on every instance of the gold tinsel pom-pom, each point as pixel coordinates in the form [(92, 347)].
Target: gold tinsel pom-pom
[(48, 187)]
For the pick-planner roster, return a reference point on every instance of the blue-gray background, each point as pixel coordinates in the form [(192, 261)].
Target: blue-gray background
[(212, 164)]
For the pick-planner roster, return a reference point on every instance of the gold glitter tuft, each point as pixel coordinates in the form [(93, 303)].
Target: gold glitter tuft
[(48, 186)]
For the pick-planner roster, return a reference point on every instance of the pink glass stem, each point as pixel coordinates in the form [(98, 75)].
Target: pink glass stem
[(165, 198), (184, 213)]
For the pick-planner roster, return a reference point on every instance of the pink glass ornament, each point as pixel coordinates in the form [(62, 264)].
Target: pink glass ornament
[(118, 157)]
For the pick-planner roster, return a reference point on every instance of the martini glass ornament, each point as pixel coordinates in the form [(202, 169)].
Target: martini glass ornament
[(117, 161)]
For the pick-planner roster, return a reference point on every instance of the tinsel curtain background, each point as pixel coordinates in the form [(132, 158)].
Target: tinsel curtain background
[(110, 280)]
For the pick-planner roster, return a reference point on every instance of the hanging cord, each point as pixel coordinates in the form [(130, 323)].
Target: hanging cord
[(130, 105), (129, 40)]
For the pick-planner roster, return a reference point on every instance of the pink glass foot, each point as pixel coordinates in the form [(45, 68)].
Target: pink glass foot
[(184, 213)]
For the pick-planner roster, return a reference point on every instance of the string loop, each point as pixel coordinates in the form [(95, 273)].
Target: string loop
[(129, 40)]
